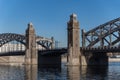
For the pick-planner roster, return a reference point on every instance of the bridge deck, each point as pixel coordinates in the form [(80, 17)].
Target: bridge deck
[(58, 52), (101, 49), (16, 53)]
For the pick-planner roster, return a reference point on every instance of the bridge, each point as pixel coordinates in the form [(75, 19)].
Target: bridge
[(96, 44)]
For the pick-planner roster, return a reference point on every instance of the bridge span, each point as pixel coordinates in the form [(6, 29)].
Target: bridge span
[(63, 51), (96, 44)]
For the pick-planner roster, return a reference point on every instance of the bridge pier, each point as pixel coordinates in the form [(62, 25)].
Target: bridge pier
[(73, 41), (77, 56), (31, 52)]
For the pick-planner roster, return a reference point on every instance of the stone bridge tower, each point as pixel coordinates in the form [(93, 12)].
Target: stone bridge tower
[(31, 52), (73, 41)]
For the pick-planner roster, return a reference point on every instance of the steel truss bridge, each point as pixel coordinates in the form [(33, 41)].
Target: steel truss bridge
[(15, 44), (104, 37)]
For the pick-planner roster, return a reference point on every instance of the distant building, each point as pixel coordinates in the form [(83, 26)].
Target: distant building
[(9, 47)]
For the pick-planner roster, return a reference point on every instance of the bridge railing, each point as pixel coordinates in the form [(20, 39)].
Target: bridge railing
[(100, 49)]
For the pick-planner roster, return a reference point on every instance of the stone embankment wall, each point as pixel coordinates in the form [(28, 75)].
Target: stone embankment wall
[(64, 59), (12, 60), (114, 59)]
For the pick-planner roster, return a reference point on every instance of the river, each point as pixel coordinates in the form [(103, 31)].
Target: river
[(111, 72)]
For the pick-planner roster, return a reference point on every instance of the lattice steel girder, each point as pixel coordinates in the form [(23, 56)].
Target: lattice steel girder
[(103, 25), (45, 42), (99, 33), (8, 37)]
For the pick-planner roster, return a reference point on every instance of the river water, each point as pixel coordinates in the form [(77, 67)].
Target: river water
[(111, 72)]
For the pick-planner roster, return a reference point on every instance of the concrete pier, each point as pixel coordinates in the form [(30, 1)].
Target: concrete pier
[(73, 41), (31, 52)]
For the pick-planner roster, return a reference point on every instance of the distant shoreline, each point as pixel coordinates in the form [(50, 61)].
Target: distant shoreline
[(114, 59), (64, 59)]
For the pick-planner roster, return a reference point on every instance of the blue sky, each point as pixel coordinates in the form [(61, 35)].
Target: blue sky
[(50, 17)]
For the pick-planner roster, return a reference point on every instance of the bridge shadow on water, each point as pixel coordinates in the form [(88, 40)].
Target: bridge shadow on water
[(49, 73), (73, 72), (63, 72), (97, 72), (87, 73)]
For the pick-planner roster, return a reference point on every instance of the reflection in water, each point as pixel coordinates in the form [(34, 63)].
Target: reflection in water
[(11, 72), (73, 72), (97, 72), (50, 73), (87, 72), (31, 72)]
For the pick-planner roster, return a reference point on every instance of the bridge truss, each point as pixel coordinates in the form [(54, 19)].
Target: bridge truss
[(105, 35), (10, 37)]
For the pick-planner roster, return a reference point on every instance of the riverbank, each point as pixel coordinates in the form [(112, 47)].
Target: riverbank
[(64, 59), (114, 59)]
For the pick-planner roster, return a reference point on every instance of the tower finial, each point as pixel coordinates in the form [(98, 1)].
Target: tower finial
[(73, 16), (30, 24)]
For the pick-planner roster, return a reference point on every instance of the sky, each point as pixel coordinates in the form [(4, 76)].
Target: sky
[(50, 17)]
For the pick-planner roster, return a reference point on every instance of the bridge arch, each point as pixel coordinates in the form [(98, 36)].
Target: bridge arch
[(107, 34), (8, 37), (45, 42)]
